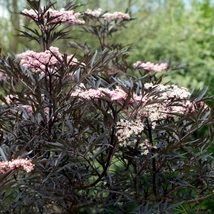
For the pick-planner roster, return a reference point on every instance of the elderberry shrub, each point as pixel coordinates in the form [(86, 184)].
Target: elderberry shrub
[(100, 134)]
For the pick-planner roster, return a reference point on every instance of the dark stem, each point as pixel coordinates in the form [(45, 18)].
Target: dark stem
[(50, 105), (109, 156), (154, 170)]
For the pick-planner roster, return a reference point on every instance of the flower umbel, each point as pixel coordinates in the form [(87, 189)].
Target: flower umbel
[(55, 16), (21, 164), (39, 61), (107, 16), (94, 13), (148, 66)]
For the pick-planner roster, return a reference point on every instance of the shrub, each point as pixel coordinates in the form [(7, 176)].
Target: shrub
[(101, 139)]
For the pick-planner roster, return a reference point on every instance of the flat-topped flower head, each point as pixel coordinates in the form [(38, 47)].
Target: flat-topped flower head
[(116, 16), (165, 92), (170, 99), (108, 16), (39, 61), (148, 66), (54, 16), (20, 164), (117, 95), (169, 91), (94, 13)]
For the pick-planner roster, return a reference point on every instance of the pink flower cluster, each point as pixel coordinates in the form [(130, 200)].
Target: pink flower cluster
[(159, 105), (61, 16), (107, 16), (129, 131), (116, 16), (95, 13), (115, 95), (40, 61), (22, 164), (164, 92), (169, 91), (127, 128), (148, 66), (169, 99)]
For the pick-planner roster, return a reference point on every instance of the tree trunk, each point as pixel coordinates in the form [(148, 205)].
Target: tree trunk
[(15, 21)]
